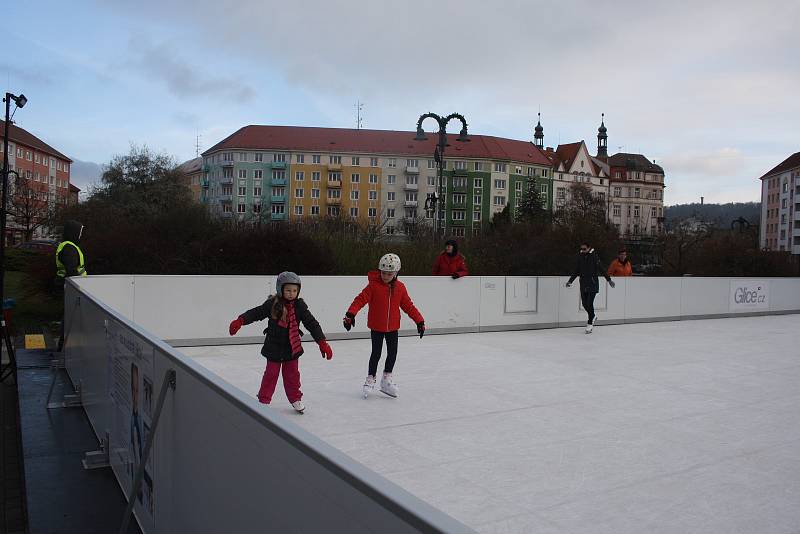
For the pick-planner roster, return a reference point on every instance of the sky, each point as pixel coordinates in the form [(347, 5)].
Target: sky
[(706, 89)]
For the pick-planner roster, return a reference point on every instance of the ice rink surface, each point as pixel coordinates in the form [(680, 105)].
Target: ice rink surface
[(689, 426)]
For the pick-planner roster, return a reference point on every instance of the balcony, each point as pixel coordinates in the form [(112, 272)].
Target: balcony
[(278, 165), (278, 199), (459, 172), (227, 163), (411, 187), (412, 170), (334, 166), (334, 201), (335, 183), (278, 216), (225, 198), (226, 180), (278, 181), (204, 184), (227, 214), (410, 203), (458, 222), (462, 188), (796, 215)]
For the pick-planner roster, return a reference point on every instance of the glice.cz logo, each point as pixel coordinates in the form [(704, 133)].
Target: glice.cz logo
[(746, 295)]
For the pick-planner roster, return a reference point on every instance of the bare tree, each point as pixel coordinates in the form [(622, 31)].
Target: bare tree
[(29, 207)]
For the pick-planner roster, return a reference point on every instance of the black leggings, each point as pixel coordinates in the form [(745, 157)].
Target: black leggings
[(377, 347), (587, 299)]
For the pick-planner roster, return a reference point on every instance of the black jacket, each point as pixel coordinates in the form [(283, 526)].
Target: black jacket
[(276, 345), (587, 267), (69, 255)]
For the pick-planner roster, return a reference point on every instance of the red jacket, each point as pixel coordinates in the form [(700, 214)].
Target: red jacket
[(447, 265), (385, 302)]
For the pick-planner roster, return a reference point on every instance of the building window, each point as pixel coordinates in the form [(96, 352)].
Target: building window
[(411, 213), (617, 191), (278, 209), (412, 180), (355, 178), (300, 158), (390, 196), (373, 162), (298, 210), (256, 208), (257, 191), (500, 167), (459, 215), (333, 211), (353, 212), (476, 199), (460, 165), (543, 189), (617, 210), (391, 163), (258, 174), (653, 211), (278, 191), (241, 208), (431, 164), (298, 193), (372, 212), (478, 166), (300, 176), (316, 158), (315, 176), (412, 163), (636, 212), (518, 187), (459, 198), (258, 156), (499, 184), (315, 193), (241, 156), (389, 230), (355, 161), (373, 178), (242, 191), (314, 210), (373, 195), (335, 160), (278, 175), (411, 197), (334, 176), (391, 179), (499, 201), (390, 213), (476, 215), (432, 181), (354, 194), (242, 173), (334, 193), (279, 158), (637, 192)]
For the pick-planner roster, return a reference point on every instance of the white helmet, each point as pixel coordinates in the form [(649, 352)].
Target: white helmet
[(390, 263)]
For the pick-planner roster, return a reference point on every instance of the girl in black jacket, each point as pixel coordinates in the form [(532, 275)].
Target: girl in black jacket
[(282, 346), (587, 268)]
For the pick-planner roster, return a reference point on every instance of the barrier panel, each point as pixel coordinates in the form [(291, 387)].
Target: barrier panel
[(221, 463)]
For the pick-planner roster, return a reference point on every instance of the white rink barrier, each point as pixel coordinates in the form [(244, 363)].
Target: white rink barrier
[(219, 463)]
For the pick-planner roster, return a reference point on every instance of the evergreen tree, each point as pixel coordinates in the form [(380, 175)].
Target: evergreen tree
[(532, 204)]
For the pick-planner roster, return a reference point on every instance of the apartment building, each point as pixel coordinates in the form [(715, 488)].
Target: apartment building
[(636, 195), (377, 176), (43, 182), (780, 206)]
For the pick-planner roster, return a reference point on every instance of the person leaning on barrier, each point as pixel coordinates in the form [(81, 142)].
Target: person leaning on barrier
[(587, 267), (621, 266), (450, 262), (69, 262)]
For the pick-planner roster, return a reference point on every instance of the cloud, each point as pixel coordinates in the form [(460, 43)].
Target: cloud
[(84, 174), (721, 162), (183, 79), (36, 76)]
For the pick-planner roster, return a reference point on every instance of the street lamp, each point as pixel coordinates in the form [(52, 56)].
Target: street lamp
[(20, 102), (436, 201)]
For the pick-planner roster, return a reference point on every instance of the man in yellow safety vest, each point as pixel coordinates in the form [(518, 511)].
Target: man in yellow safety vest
[(69, 261)]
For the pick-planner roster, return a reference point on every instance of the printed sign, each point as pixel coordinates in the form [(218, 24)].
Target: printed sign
[(749, 295), (130, 384)]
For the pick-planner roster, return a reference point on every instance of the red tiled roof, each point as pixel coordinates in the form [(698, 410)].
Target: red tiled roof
[(566, 154), (311, 139), (24, 137), (634, 162), (789, 163), (74, 189)]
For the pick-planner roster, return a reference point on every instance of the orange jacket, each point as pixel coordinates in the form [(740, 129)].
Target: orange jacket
[(617, 268)]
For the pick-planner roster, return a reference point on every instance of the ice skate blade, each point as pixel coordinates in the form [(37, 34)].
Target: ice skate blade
[(388, 394)]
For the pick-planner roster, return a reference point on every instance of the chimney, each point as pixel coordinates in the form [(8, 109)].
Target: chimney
[(701, 201), (549, 149)]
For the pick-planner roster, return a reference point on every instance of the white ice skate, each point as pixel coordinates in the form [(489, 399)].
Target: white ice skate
[(589, 328), (388, 386), (299, 406), (369, 386)]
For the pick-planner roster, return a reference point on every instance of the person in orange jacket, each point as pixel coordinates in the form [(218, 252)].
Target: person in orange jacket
[(621, 266), (386, 296), (450, 262)]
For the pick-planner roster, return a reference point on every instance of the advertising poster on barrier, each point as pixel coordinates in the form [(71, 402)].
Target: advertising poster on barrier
[(749, 295), (131, 388)]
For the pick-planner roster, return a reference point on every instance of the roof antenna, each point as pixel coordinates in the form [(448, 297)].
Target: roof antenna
[(197, 145), (359, 118)]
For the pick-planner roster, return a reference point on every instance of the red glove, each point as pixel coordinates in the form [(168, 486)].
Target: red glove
[(236, 324), (325, 349)]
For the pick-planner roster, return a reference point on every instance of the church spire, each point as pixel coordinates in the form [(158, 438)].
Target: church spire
[(538, 136), (602, 138)]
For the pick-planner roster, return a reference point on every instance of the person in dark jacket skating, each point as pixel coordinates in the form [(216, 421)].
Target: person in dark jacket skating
[(386, 296), (282, 347), (587, 267), (450, 262)]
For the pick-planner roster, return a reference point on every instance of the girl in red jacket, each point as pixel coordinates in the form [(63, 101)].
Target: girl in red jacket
[(386, 296)]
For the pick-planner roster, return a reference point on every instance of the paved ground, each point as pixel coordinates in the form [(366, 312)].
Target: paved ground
[(689, 426)]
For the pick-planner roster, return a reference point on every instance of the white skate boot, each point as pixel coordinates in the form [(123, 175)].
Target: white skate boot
[(589, 328), (299, 406), (369, 386), (388, 386)]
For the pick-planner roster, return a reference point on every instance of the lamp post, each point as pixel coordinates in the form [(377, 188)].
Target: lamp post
[(20, 102), (437, 202)]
